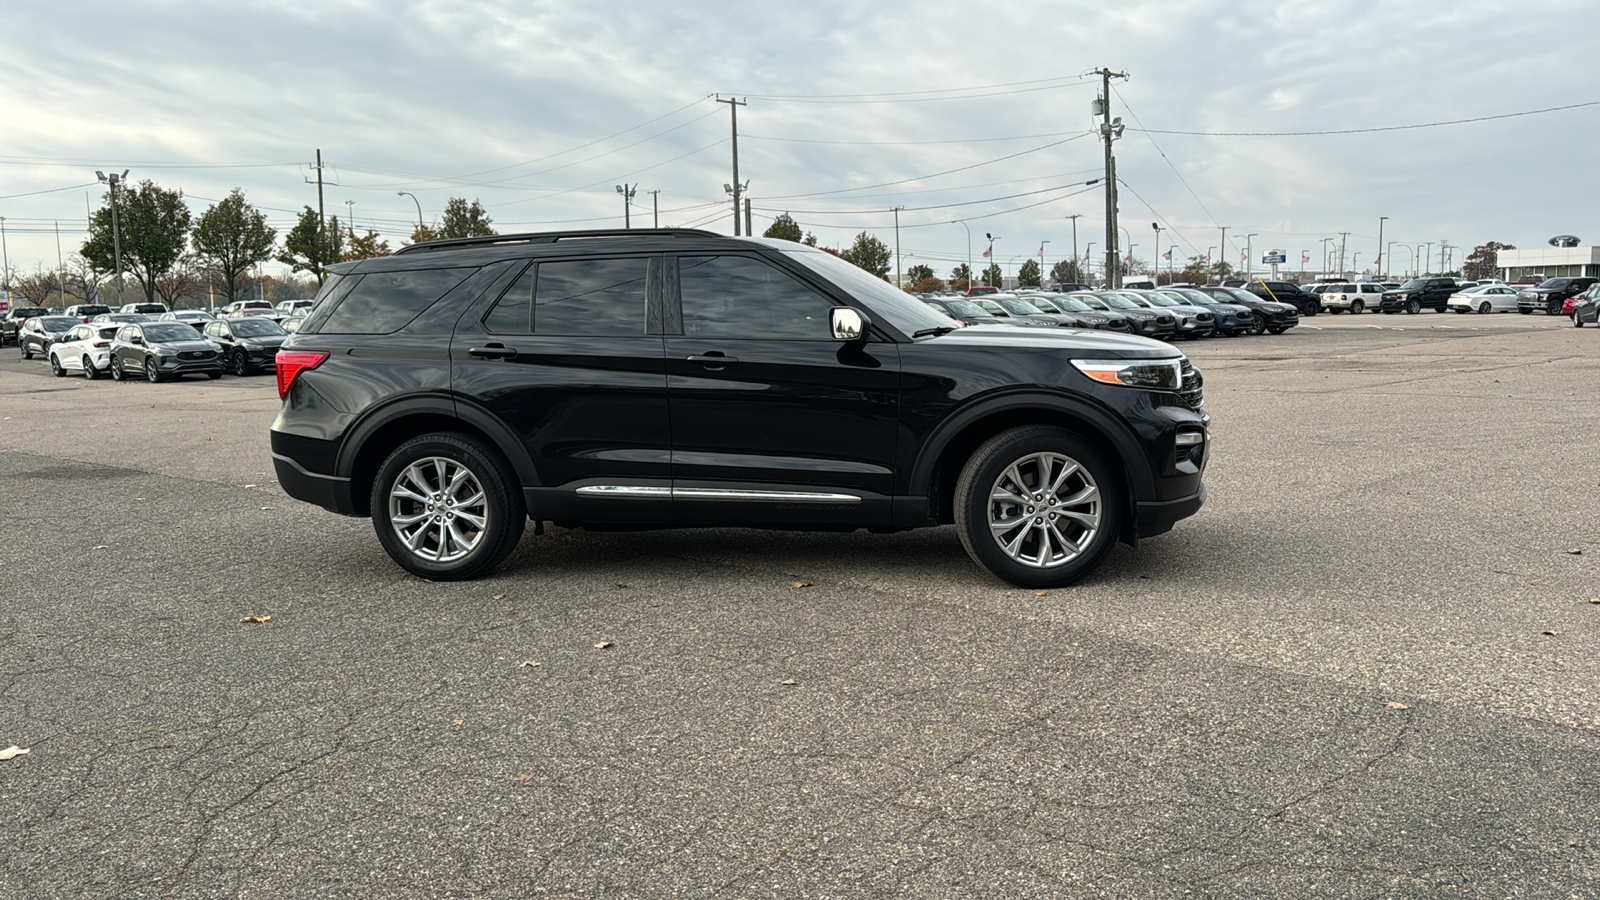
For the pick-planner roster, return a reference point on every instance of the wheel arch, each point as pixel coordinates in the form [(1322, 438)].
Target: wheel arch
[(947, 449), (370, 441)]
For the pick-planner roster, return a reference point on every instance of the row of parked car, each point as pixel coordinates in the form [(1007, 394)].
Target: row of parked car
[(1167, 313), (154, 346), (1554, 296)]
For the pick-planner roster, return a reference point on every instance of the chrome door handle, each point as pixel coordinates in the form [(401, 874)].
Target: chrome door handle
[(714, 362)]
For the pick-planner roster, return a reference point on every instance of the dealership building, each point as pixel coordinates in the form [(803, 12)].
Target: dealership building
[(1551, 262)]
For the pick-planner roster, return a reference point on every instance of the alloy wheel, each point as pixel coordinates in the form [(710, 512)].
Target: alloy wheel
[(1484, 307), (438, 509), (152, 372), (1044, 510), (89, 371)]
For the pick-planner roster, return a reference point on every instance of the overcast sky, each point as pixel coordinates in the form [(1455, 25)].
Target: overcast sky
[(539, 109)]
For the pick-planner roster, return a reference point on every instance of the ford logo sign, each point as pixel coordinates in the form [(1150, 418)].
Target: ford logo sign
[(1564, 240)]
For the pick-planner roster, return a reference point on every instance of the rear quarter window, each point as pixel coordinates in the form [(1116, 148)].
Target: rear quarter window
[(385, 302)]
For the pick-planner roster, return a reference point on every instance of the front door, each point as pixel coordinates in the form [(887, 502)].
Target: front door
[(773, 421)]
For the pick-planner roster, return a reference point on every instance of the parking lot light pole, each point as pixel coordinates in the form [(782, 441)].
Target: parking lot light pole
[(1041, 263), (992, 261), (419, 209), (1088, 266), (1249, 250), (1327, 248), (1379, 263), (116, 227), (969, 251)]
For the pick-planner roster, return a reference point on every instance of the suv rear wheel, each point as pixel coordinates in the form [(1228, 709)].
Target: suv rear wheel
[(1038, 506), (447, 507)]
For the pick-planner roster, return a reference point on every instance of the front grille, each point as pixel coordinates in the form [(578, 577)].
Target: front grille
[(1163, 320), (196, 354), (1193, 396), (1203, 317)]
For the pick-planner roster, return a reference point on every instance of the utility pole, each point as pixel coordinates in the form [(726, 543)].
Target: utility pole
[(5, 258), (749, 232), (1427, 258), (1222, 248), (733, 108), (1379, 264), (1342, 236), (1075, 217), (1109, 131), (655, 208), (899, 273), (1443, 266)]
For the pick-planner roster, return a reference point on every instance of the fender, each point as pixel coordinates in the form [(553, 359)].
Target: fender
[(438, 404), (1135, 467)]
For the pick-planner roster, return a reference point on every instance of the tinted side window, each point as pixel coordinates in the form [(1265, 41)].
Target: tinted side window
[(514, 313), (384, 302), (739, 297), (590, 297)]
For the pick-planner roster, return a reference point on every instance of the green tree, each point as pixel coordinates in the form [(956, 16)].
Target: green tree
[(462, 220), (154, 224), (991, 275), (310, 248), (811, 240), (363, 246), (960, 277), (918, 273), (784, 228), (1028, 275), (869, 253), (232, 237), (1484, 260), (1067, 271)]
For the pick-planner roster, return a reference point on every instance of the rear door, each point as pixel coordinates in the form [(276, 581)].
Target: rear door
[(569, 358), (773, 421)]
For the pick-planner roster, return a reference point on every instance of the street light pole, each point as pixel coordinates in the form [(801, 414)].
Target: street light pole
[(419, 209), (899, 272), (1379, 263), (992, 238), (1156, 259), (116, 226), (1041, 263), (1075, 217), (969, 251), (627, 191), (1088, 268), (1249, 251)]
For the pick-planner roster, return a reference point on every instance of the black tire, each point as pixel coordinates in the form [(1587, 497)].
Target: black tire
[(1525, 310), (1277, 329), (1553, 308), (214, 375), (241, 365), (1441, 310), (1357, 307), (89, 371), (1576, 322), (55, 367), (152, 371), (504, 514), (116, 369), (1484, 308), (990, 463), (1460, 310), (27, 352), (1413, 307), (1260, 327)]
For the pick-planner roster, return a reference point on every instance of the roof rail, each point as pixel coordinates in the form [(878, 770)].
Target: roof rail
[(551, 237)]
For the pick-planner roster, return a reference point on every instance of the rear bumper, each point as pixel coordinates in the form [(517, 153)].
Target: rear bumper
[(327, 491)]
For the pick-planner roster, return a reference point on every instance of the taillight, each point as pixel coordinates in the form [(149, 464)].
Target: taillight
[(102, 343), (292, 362)]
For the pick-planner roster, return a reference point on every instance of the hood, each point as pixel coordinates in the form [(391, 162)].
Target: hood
[(266, 340), (1080, 344), (182, 346)]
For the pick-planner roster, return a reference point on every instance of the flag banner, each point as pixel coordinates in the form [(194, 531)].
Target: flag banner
[(986, 253), (1167, 256), (1305, 257)]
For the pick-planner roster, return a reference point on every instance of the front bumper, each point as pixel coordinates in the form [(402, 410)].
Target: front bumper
[(1158, 517), (181, 365)]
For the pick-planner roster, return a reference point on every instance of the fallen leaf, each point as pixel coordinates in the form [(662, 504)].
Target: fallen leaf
[(1040, 593), (1548, 633), (268, 507), (801, 584), (1594, 599), (602, 645), (1575, 551), (12, 752), (249, 485), (458, 722), (789, 681), (528, 662), (99, 547), (1393, 705), (619, 584), (524, 777), (499, 596), (256, 619)]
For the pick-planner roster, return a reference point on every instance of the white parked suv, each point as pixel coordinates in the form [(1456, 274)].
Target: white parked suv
[(85, 349), (1355, 297)]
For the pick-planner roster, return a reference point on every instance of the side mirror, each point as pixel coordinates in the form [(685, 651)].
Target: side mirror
[(848, 324)]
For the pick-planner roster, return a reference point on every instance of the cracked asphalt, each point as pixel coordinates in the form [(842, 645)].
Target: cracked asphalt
[(1367, 668)]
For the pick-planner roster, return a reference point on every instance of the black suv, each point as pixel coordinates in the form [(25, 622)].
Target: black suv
[(1551, 294), (675, 377), (1304, 302), (1419, 294)]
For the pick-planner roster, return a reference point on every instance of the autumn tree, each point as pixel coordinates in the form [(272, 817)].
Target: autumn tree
[(928, 285), (184, 281), (154, 227), (232, 237), (364, 246), (308, 247), (1028, 275), (869, 253), (785, 228), (918, 273), (961, 277), (1484, 260)]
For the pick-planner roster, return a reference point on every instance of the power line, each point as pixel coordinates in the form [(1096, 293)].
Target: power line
[(1163, 153), (986, 162), (1015, 137), (1531, 112), (879, 211), (70, 187), (1041, 84)]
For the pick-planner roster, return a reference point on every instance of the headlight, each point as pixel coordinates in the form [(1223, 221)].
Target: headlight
[(1150, 374)]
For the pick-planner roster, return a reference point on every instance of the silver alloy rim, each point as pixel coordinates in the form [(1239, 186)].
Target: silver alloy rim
[(437, 508), (1044, 510)]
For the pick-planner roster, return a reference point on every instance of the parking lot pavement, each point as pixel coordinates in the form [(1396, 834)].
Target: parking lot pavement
[(1366, 668)]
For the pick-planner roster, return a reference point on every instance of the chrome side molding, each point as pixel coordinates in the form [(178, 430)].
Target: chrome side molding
[(641, 492)]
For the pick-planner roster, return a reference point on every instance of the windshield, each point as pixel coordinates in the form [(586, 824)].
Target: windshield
[(1117, 301), (1166, 298), (1555, 282), (880, 297), (167, 332), (966, 308), (1020, 307), (1415, 284), (58, 323), (1240, 295), (1045, 304), (256, 328), (1072, 304), (1200, 298)]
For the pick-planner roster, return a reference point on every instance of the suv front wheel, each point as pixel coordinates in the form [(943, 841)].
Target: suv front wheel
[(447, 507), (1038, 506)]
